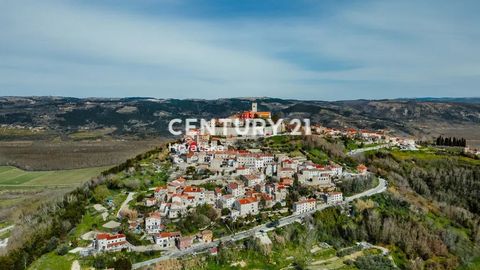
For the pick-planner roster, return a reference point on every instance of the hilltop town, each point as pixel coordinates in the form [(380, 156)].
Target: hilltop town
[(220, 188), (239, 181)]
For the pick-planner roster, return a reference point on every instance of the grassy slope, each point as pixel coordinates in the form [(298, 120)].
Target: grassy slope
[(52, 261)]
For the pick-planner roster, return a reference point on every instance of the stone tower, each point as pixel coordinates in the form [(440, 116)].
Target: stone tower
[(254, 107)]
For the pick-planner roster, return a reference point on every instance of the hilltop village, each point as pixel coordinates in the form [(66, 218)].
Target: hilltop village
[(238, 180)]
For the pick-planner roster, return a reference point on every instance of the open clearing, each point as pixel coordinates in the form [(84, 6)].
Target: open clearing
[(11, 176)]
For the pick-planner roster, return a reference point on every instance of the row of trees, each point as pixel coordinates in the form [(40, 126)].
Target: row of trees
[(451, 141)]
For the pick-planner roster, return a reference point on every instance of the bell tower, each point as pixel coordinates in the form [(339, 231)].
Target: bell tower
[(254, 107)]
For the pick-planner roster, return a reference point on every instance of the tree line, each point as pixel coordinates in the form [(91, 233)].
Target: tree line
[(451, 141)]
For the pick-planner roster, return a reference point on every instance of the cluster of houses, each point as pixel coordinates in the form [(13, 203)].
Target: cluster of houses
[(257, 181), (368, 136), (104, 242), (252, 180)]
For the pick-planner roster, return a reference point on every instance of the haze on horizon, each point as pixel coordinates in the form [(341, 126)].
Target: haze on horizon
[(323, 50)]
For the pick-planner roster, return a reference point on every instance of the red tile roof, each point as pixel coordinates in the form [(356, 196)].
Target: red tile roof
[(247, 200), (169, 234), (155, 214), (107, 236), (192, 189), (160, 189), (233, 185)]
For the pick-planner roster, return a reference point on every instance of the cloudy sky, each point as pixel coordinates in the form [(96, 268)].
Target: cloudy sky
[(324, 50)]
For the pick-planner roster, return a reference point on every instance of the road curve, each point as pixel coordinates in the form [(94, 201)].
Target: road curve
[(381, 187)]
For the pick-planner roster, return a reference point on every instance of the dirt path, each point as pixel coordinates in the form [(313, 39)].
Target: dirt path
[(76, 265), (125, 203)]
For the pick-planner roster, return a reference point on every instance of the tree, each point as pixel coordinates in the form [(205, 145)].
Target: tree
[(122, 263), (262, 203), (100, 193), (62, 250), (226, 212)]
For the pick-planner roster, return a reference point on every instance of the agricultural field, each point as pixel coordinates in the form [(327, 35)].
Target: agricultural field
[(11, 176), (77, 153), (22, 191)]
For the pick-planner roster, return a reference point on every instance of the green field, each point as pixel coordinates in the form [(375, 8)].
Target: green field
[(11, 176)]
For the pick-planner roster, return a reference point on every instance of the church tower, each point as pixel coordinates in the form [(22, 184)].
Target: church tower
[(254, 107)]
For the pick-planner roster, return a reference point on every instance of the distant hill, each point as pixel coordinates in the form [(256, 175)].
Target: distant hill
[(145, 117)]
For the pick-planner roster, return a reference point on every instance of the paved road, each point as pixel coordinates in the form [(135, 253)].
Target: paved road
[(125, 203), (361, 150), (381, 187), (7, 228), (4, 242)]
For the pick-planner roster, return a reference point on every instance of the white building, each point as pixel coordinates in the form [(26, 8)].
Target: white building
[(226, 201), (160, 194), (153, 223), (246, 206), (109, 242), (197, 193), (166, 239), (334, 197), (236, 189), (253, 179), (150, 202), (304, 206), (285, 172)]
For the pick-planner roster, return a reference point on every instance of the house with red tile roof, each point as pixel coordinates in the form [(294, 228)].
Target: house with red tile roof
[(246, 206), (362, 169), (236, 189), (166, 239), (184, 242), (110, 242)]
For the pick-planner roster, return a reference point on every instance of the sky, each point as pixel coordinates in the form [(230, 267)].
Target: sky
[(311, 50)]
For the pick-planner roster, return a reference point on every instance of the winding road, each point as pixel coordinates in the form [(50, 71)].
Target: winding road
[(381, 187)]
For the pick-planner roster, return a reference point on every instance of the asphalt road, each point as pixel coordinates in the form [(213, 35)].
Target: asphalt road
[(381, 187), (361, 150)]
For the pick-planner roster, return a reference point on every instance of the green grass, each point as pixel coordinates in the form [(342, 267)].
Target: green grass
[(473, 265), (432, 154), (317, 156), (11, 176), (87, 224), (52, 261), (19, 132), (91, 134), (441, 222), (5, 234)]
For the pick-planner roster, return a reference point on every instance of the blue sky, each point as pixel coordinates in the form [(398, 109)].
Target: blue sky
[(324, 50)]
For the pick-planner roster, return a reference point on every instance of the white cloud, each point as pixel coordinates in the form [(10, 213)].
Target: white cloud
[(394, 49)]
